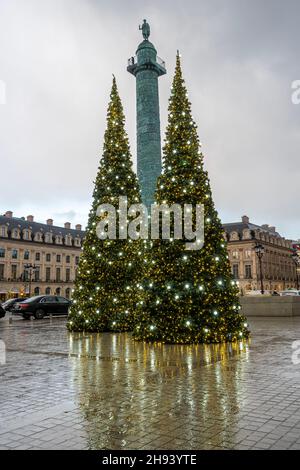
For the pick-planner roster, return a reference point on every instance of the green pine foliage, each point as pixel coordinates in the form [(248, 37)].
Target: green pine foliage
[(188, 296), (108, 271)]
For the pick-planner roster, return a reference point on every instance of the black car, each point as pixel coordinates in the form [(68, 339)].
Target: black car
[(42, 305), (8, 305), (2, 312)]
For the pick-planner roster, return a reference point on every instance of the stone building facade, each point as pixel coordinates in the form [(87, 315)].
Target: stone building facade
[(278, 267), (54, 252)]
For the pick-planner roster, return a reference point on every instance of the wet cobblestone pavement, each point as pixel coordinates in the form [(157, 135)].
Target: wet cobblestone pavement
[(88, 391)]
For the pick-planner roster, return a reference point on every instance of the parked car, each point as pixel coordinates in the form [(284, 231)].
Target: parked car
[(42, 305), (9, 304), (2, 312), (290, 292), (257, 292)]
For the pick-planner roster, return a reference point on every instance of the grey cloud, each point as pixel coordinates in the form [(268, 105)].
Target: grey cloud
[(68, 216), (239, 59)]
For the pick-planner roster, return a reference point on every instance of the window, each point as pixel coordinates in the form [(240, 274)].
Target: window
[(38, 237), (3, 231), (48, 257), (48, 274), (235, 271), (48, 291), (49, 300), (57, 274), (1, 272), (68, 293), (248, 271), (58, 240), (2, 253), (58, 258), (26, 235), (58, 291), (62, 300), (77, 241), (14, 271), (37, 256), (48, 238), (26, 275), (37, 274), (36, 291), (68, 259), (234, 236), (68, 240), (15, 233), (235, 254), (68, 275), (77, 260), (14, 254), (26, 254)]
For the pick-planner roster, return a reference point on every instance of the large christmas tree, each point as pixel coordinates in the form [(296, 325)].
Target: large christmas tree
[(108, 271), (189, 296)]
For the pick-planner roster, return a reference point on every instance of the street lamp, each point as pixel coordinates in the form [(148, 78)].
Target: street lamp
[(296, 260), (31, 268), (259, 250)]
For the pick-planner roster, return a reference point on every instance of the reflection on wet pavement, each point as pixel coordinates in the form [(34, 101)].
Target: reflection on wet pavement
[(105, 391)]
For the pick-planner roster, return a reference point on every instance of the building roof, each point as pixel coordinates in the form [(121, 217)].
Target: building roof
[(21, 223), (240, 226)]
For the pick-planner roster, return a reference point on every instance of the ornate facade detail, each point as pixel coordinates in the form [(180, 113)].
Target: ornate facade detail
[(53, 250), (278, 267)]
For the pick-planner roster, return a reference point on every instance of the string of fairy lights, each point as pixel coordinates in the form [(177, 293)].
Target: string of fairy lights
[(157, 289), (103, 297)]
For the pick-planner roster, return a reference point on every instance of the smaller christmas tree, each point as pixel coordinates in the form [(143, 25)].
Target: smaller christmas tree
[(189, 296), (109, 269)]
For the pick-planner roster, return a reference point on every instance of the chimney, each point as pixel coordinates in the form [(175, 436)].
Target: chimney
[(8, 214), (78, 227), (245, 219), (68, 225), (265, 226), (30, 218), (49, 221), (272, 229)]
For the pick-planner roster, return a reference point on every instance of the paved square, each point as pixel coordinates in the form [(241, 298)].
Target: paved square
[(104, 391)]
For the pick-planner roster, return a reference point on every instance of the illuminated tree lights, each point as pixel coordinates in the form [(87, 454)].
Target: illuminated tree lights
[(166, 293), (108, 271), (188, 296)]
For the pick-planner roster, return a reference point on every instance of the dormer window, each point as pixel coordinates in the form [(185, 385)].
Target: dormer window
[(3, 231), (68, 240), (234, 236), (58, 240), (26, 235), (246, 234), (48, 237), (15, 233), (38, 237), (77, 241)]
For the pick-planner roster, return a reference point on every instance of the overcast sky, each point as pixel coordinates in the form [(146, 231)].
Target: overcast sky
[(239, 59)]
